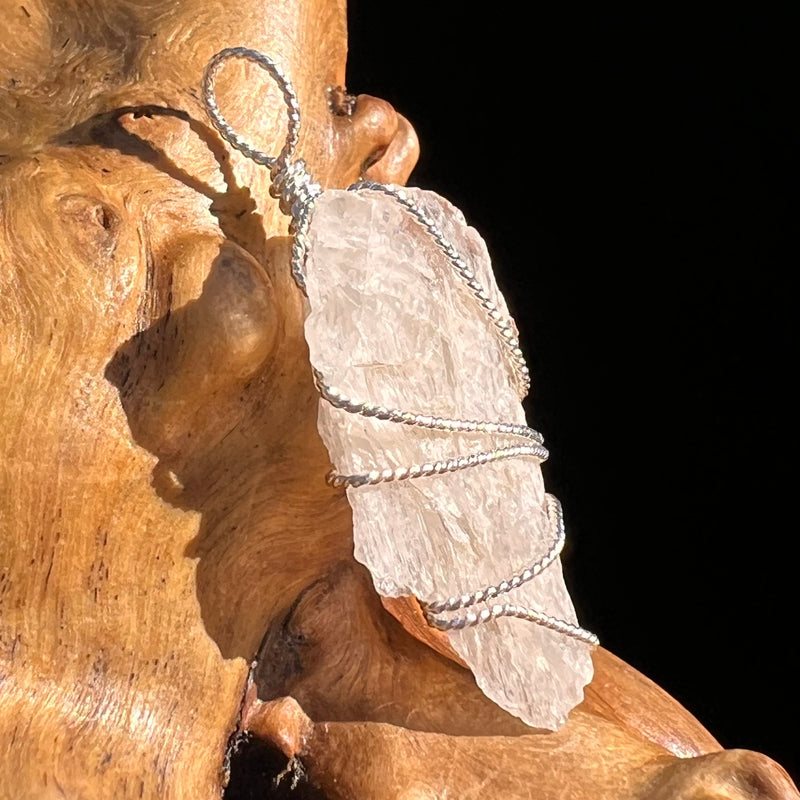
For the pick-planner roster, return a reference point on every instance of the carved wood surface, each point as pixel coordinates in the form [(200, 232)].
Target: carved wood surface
[(163, 513)]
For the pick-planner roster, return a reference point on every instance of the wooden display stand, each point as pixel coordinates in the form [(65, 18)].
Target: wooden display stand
[(163, 512)]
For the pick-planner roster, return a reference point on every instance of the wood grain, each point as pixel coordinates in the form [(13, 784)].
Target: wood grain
[(163, 513)]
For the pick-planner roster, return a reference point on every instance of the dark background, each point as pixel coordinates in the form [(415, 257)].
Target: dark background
[(630, 172)]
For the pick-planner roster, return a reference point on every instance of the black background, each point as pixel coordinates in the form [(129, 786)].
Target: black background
[(630, 173)]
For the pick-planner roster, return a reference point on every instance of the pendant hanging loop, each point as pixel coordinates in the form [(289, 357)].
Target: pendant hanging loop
[(292, 184), (276, 164)]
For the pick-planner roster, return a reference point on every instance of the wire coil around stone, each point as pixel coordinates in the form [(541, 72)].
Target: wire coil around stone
[(296, 192), (436, 610)]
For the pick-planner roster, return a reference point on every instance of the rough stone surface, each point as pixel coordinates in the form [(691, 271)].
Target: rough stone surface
[(390, 323)]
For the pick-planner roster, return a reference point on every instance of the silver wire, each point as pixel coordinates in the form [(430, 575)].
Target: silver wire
[(292, 184), (504, 325), (227, 132)]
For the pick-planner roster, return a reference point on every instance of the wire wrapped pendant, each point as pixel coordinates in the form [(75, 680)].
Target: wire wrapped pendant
[(421, 376)]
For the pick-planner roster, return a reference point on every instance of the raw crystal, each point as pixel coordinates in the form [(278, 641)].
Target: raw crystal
[(390, 323)]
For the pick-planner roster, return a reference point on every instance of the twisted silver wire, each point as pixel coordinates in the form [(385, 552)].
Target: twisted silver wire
[(456, 602), (292, 184), (435, 610), (471, 619), (339, 400), (227, 132), (452, 464), (504, 325), (296, 192)]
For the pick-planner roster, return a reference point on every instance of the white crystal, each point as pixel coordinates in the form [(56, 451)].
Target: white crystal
[(390, 323)]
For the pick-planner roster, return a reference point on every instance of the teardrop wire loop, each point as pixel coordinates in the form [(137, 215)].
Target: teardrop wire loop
[(292, 184), (226, 130), (296, 192)]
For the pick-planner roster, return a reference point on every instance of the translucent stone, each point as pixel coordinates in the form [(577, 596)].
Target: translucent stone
[(391, 323)]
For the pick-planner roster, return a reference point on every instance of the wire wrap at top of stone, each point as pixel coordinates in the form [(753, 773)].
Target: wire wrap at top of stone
[(292, 184)]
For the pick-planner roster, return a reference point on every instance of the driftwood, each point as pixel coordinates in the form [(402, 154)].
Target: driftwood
[(163, 509)]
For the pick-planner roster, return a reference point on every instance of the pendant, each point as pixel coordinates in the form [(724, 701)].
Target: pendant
[(421, 379)]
